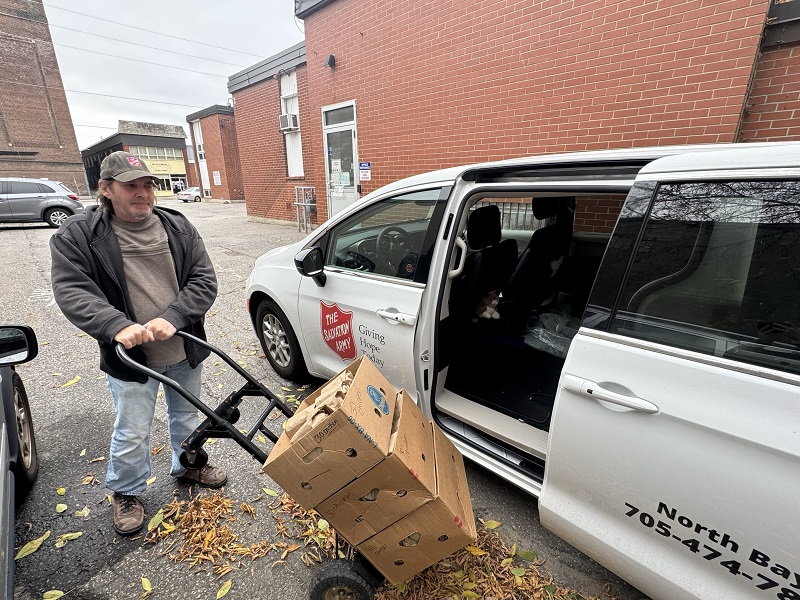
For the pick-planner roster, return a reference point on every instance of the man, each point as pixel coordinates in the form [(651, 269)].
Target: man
[(131, 273)]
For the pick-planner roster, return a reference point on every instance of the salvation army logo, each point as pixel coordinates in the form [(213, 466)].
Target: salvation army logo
[(337, 330), (134, 162), (378, 398)]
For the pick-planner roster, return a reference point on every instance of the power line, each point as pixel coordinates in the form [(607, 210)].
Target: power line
[(140, 61), (98, 94), (150, 31), (105, 37)]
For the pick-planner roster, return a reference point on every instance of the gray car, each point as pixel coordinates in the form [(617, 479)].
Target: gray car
[(19, 461), (36, 200)]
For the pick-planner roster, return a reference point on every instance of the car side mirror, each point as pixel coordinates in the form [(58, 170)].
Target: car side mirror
[(309, 263), (17, 344)]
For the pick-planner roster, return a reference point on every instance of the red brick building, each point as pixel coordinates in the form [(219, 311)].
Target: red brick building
[(399, 87), (37, 138), (216, 164)]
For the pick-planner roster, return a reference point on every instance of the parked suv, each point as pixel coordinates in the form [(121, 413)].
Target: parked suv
[(615, 332), (34, 200), (19, 461)]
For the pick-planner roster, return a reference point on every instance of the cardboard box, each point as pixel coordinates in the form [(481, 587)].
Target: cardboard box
[(401, 483), (434, 530), (345, 444)]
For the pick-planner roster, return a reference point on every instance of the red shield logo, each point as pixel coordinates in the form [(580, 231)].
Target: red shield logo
[(337, 330)]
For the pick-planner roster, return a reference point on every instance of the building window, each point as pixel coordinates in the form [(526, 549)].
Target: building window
[(290, 105)]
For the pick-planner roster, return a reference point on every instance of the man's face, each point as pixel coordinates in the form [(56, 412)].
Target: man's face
[(133, 200)]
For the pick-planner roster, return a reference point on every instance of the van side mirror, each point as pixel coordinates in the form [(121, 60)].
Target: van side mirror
[(17, 344), (309, 263)]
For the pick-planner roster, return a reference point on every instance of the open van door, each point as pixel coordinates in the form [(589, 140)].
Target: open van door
[(674, 447)]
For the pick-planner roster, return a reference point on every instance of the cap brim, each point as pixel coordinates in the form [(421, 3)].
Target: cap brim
[(131, 175)]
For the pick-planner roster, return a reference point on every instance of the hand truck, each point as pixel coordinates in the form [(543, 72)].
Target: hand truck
[(353, 577)]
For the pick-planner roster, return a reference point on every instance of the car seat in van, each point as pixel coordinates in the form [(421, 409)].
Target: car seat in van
[(533, 283), (488, 264)]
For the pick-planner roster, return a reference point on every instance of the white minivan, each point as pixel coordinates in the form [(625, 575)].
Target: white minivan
[(616, 332)]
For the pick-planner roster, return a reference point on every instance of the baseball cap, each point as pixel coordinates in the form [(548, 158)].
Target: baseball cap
[(123, 166)]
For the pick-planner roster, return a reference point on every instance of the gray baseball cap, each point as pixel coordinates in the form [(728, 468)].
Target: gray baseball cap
[(123, 166)]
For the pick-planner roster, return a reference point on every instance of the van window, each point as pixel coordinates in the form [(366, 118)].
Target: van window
[(393, 237), (717, 271)]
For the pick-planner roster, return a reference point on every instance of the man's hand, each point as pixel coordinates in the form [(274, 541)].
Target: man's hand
[(160, 328), (133, 335)]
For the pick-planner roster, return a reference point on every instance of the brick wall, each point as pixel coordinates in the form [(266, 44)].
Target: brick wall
[(446, 83), (222, 154), (773, 112), (34, 116), (268, 190)]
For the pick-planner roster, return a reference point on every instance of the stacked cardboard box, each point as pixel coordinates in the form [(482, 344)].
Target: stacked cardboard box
[(386, 478)]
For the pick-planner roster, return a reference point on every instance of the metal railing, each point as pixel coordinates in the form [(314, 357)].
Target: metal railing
[(305, 202)]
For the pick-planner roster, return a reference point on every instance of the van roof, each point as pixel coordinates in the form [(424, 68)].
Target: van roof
[(739, 156), (681, 157)]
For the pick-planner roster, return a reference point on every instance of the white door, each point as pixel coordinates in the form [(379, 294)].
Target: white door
[(375, 275), (674, 446), (341, 156)]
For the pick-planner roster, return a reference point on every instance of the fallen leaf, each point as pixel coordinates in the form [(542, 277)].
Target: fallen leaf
[(156, 520), (66, 537), (61, 508), (72, 381), (518, 571), (61, 491), (285, 389), (211, 441), (323, 525), (270, 492), (224, 589), (491, 524), (146, 584), (261, 439), (83, 452), (475, 551), (32, 546), (151, 480), (551, 591), (84, 512), (469, 594), (158, 449), (57, 374), (52, 595), (98, 459), (506, 561), (528, 555)]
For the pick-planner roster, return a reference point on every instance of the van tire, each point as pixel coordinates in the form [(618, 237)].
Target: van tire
[(279, 342)]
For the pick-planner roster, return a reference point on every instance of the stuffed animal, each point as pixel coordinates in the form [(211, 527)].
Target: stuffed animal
[(487, 309)]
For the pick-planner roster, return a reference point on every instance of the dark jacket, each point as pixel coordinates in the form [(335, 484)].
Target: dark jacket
[(89, 284)]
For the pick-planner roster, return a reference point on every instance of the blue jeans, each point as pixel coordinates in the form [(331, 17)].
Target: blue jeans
[(135, 403)]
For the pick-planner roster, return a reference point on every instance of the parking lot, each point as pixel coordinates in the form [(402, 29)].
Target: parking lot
[(73, 419)]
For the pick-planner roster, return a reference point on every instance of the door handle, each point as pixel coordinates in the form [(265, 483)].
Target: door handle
[(590, 389), (392, 314), (462, 245)]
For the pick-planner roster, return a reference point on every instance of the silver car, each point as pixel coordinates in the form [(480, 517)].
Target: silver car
[(36, 200), (19, 461)]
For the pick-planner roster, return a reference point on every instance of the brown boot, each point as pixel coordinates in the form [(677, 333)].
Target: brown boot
[(128, 514), (209, 476)]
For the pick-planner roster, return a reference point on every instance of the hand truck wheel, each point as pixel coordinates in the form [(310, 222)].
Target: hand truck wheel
[(339, 580), (196, 460)]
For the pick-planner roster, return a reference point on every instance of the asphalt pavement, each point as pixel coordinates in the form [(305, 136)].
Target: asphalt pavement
[(73, 418)]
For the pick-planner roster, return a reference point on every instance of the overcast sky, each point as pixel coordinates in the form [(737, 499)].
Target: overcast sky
[(233, 35)]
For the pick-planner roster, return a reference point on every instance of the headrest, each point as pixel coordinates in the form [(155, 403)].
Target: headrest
[(545, 208), (483, 227)]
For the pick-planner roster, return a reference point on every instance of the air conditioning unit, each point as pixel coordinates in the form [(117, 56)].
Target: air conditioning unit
[(289, 122)]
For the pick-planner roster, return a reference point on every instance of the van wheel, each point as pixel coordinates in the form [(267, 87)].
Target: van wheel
[(56, 216), (27, 467), (279, 342)]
